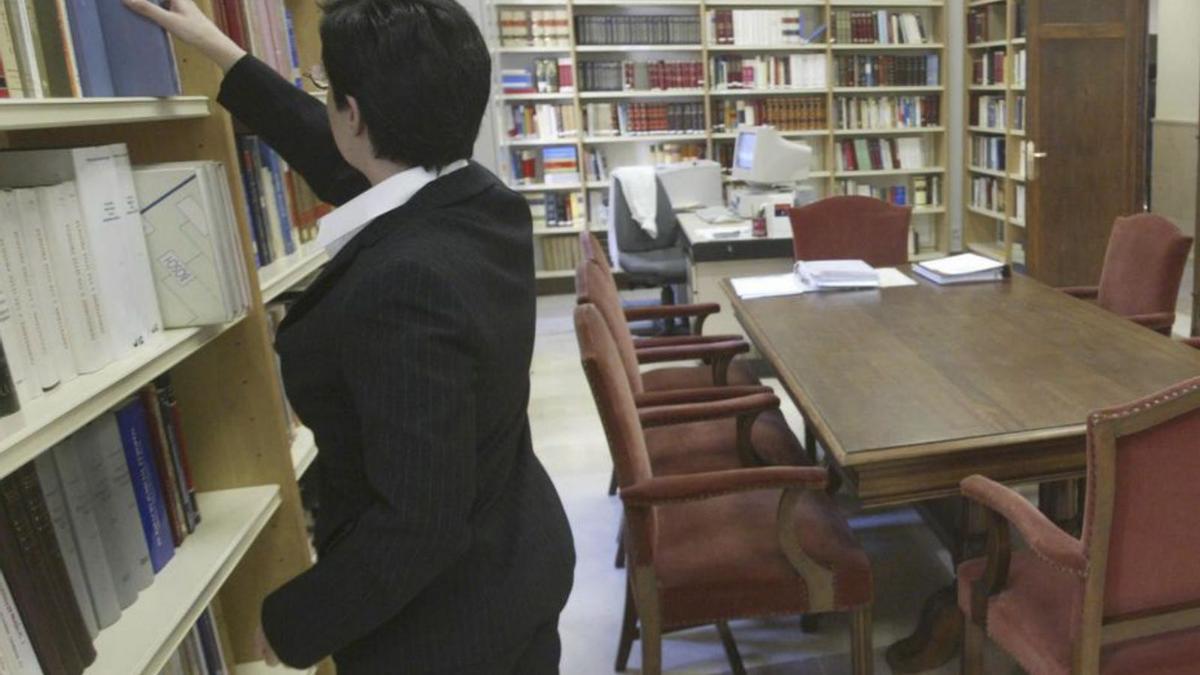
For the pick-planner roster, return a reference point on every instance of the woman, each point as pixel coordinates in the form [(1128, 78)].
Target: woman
[(443, 545)]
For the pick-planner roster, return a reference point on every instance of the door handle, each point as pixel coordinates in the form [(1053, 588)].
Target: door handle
[(1031, 162)]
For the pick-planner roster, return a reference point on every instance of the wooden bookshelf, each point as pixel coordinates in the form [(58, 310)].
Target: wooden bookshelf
[(252, 537), (932, 220), (989, 230), (303, 450), (286, 272)]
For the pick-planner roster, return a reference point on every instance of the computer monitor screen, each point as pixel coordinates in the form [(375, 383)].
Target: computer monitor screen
[(744, 150)]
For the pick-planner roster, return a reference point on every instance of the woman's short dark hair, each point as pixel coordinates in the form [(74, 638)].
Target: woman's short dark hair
[(419, 70)]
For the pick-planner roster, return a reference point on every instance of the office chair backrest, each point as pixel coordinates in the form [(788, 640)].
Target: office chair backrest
[(851, 228), (595, 286), (1143, 266), (630, 236)]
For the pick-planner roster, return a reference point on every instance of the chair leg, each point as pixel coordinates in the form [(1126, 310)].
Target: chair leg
[(731, 649), (973, 643), (651, 636), (619, 563), (628, 631), (612, 483), (862, 654)]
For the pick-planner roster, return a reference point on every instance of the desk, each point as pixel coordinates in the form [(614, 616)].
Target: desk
[(710, 261), (912, 389)]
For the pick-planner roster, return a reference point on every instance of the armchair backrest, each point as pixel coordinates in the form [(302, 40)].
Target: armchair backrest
[(619, 416), (1138, 530), (595, 285), (1143, 265), (855, 228), (593, 250)]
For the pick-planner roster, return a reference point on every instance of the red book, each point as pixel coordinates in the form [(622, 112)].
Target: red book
[(235, 22)]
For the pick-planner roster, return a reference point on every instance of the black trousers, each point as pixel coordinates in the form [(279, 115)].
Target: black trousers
[(539, 655)]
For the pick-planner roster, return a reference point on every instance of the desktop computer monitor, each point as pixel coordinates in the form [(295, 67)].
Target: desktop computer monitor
[(762, 157)]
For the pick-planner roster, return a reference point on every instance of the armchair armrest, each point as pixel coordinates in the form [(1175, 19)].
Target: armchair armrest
[(666, 415), (1192, 342), (670, 340), (1159, 322), (697, 486), (649, 399), (700, 311), (718, 355), (1044, 538), (1081, 292)]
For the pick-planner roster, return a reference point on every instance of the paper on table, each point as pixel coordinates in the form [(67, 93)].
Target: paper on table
[(769, 286), (965, 263), (720, 233), (890, 277)]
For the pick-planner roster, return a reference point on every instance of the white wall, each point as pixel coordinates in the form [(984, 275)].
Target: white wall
[(1173, 179)]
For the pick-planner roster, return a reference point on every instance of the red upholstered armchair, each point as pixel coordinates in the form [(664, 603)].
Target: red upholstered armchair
[(1126, 597), (854, 228), (722, 544), (1143, 267)]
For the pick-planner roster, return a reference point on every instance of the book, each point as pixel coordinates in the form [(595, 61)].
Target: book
[(38, 208), (87, 38), (17, 285), (140, 57), (137, 274), (833, 274), (964, 268), (56, 506), (16, 650), (80, 501), (174, 427), (147, 485), (59, 78), (8, 57)]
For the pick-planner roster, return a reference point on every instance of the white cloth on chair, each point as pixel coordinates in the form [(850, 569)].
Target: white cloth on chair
[(638, 184)]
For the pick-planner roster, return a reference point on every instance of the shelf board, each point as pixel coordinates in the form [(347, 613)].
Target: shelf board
[(611, 49), (1018, 87), (304, 450), (981, 3), (988, 44), (726, 178), (647, 138), (998, 173), (597, 185), (540, 49), (737, 93), (1016, 178), (261, 668), (554, 274), (281, 275), (561, 230), (653, 93), (536, 142), (890, 3), (888, 90), (537, 96), (795, 133), (546, 187), (48, 113), (928, 46), (986, 212), (988, 248), (814, 47), (1017, 42), (765, 3), (986, 87), (890, 172), (1016, 132), (995, 131), (899, 131), (1016, 222), (636, 3), (927, 210), (62, 411), (149, 631)]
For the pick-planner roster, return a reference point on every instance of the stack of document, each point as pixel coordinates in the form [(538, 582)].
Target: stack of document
[(717, 215), (837, 274), (965, 268)]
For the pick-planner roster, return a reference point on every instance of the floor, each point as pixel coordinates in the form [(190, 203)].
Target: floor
[(909, 563)]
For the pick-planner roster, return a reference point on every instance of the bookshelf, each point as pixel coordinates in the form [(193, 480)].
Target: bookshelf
[(993, 222), (244, 459), (930, 221)]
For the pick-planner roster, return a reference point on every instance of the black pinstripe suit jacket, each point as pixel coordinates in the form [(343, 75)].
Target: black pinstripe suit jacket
[(442, 541)]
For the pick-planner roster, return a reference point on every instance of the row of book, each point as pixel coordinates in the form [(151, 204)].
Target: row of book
[(97, 257), (85, 528), (556, 165), (535, 28), (1023, 158), (786, 113), (866, 70), (987, 67), (663, 29), (559, 253), (1020, 65), (887, 112), (857, 26), (544, 121), (989, 111), (595, 165), (281, 208), (72, 48), (762, 27), (1018, 113), (640, 75), (790, 71), (987, 193), (200, 652), (547, 76), (631, 119), (881, 154), (988, 152), (980, 28), (555, 209), (264, 28), (920, 191)]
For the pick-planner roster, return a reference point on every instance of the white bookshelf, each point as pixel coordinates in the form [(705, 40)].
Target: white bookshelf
[(284, 273), (47, 113), (62, 411), (304, 450), (150, 630)]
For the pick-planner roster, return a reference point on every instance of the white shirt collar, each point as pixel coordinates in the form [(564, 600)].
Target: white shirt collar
[(339, 227)]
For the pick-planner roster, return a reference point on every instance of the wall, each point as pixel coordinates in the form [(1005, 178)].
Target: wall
[(1173, 171)]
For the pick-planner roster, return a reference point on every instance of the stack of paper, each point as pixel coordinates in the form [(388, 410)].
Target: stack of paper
[(961, 269), (837, 274), (749, 288)]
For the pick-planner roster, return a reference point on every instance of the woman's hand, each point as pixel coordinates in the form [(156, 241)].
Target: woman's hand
[(184, 20)]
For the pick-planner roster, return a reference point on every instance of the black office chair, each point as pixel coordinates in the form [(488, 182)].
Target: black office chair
[(649, 262)]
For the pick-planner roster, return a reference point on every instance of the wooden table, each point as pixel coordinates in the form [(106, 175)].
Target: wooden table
[(912, 389)]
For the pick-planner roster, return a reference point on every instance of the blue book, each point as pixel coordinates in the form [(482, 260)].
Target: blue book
[(139, 53), (248, 148), (292, 48), (275, 166), (91, 58), (147, 490)]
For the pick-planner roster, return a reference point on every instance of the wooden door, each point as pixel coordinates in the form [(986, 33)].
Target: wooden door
[(1086, 106)]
